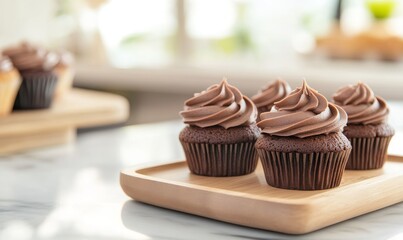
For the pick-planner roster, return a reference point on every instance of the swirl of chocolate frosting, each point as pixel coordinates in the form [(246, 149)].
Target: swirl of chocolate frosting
[(303, 113), (273, 92), (16, 50), (220, 105), (27, 57), (361, 104), (39, 60), (5, 64)]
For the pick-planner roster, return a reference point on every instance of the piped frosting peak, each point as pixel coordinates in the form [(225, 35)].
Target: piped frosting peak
[(220, 105), (303, 113), (271, 93), (361, 104)]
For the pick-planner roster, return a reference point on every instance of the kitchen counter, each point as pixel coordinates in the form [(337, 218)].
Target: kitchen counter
[(73, 192), (324, 75)]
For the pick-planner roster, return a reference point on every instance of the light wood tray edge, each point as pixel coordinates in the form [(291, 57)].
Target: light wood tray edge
[(118, 112), (291, 216), (26, 130), (106, 108)]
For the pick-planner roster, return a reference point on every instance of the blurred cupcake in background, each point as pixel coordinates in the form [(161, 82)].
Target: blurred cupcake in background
[(36, 66), (268, 95), (65, 71), (10, 81), (14, 51)]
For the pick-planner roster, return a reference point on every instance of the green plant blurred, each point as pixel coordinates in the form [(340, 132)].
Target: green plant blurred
[(133, 39), (241, 39), (381, 9)]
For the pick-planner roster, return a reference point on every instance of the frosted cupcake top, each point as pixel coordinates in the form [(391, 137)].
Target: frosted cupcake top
[(27, 57), (16, 50), (273, 92), (36, 61), (220, 105), (303, 113), (361, 104), (5, 64)]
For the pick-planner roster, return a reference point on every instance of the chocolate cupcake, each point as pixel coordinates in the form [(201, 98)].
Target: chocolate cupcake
[(367, 127), (302, 146), (221, 133), (39, 81), (10, 81), (271, 93)]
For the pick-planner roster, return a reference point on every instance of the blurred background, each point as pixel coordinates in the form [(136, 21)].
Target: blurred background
[(157, 53)]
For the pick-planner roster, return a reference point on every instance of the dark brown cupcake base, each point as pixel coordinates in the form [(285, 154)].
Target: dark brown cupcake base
[(221, 160), (368, 153), (36, 91), (303, 171)]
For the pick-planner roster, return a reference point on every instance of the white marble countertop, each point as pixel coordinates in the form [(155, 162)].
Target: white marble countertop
[(73, 192)]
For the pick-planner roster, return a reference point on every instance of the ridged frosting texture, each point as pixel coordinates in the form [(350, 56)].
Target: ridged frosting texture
[(361, 104), (273, 92), (303, 113), (5, 64), (220, 105), (27, 57)]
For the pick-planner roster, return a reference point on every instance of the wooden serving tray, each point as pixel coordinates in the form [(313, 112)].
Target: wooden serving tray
[(23, 130), (249, 201)]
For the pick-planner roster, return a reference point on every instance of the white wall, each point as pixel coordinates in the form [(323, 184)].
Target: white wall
[(26, 19)]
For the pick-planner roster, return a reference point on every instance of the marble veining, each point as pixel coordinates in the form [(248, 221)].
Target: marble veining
[(73, 192)]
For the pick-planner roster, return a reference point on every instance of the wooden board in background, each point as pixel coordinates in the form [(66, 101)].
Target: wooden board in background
[(249, 201), (24, 130)]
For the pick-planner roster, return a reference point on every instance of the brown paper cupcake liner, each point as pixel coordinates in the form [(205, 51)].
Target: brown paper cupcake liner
[(303, 171), (368, 153), (36, 91), (220, 160)]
